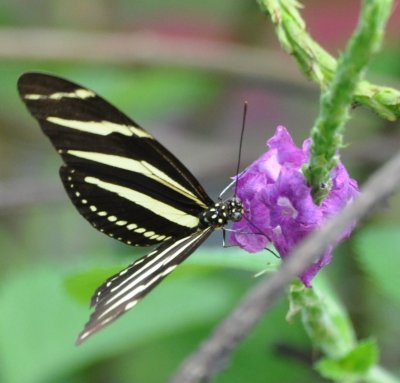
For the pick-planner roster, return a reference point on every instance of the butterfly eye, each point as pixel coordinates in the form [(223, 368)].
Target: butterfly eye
[(236, 216)]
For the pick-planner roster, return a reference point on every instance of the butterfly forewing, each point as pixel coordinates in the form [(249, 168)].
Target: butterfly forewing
[(122, 291), (118, 176)]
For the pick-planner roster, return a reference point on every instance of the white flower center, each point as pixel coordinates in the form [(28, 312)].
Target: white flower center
[(288, 209), (277, 230)]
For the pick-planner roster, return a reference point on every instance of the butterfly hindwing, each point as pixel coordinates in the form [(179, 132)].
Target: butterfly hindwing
[(122, 291), (115, 166)]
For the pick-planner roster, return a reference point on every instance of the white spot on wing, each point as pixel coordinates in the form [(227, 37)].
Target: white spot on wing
[(129, 305)]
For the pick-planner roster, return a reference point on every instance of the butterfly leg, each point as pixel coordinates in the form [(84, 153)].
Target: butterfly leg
[(224, 242), (224, 238)]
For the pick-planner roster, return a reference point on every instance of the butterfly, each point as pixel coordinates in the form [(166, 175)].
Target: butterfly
[(127, 185)]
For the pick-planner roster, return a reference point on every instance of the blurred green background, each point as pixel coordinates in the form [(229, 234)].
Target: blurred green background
[(183, 70)]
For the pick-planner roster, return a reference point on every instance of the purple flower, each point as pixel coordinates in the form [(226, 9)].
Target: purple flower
[(278, 203)]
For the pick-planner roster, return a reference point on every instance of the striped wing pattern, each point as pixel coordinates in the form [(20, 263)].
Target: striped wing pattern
[(123, 181), (122, 291)]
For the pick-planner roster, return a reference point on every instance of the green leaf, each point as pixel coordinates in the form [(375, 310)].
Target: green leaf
[(377, 250), (82, 285), (353, 365)]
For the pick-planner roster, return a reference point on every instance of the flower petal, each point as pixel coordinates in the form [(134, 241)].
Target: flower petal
[(278, 203)]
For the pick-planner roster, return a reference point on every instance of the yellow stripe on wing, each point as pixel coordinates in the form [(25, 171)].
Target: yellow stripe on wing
[(159, 208), (102, 128), (78, 93), (141, 167)]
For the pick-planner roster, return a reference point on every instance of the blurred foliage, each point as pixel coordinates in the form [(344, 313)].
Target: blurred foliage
[(351, 366), (45, 321), (376, 247), (51, 260)]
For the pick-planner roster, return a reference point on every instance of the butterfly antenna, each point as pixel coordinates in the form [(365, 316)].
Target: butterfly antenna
[(240, 145), (235, 181)]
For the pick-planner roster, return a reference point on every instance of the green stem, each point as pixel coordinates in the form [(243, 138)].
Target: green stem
[(323, 318), (327, 133), (329, 327), (317, 64)]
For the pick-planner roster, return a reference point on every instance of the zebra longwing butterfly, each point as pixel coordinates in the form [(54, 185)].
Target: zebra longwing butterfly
[(127, 185)]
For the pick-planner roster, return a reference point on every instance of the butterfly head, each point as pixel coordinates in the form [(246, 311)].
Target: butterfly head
[(235, 208), (219, 214)]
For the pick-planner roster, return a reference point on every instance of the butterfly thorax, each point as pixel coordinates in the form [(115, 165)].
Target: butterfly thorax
[(219, 214)]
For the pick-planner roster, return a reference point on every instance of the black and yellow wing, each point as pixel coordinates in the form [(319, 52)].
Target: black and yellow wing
[(125, 183), (122, 180), (122, 291)]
